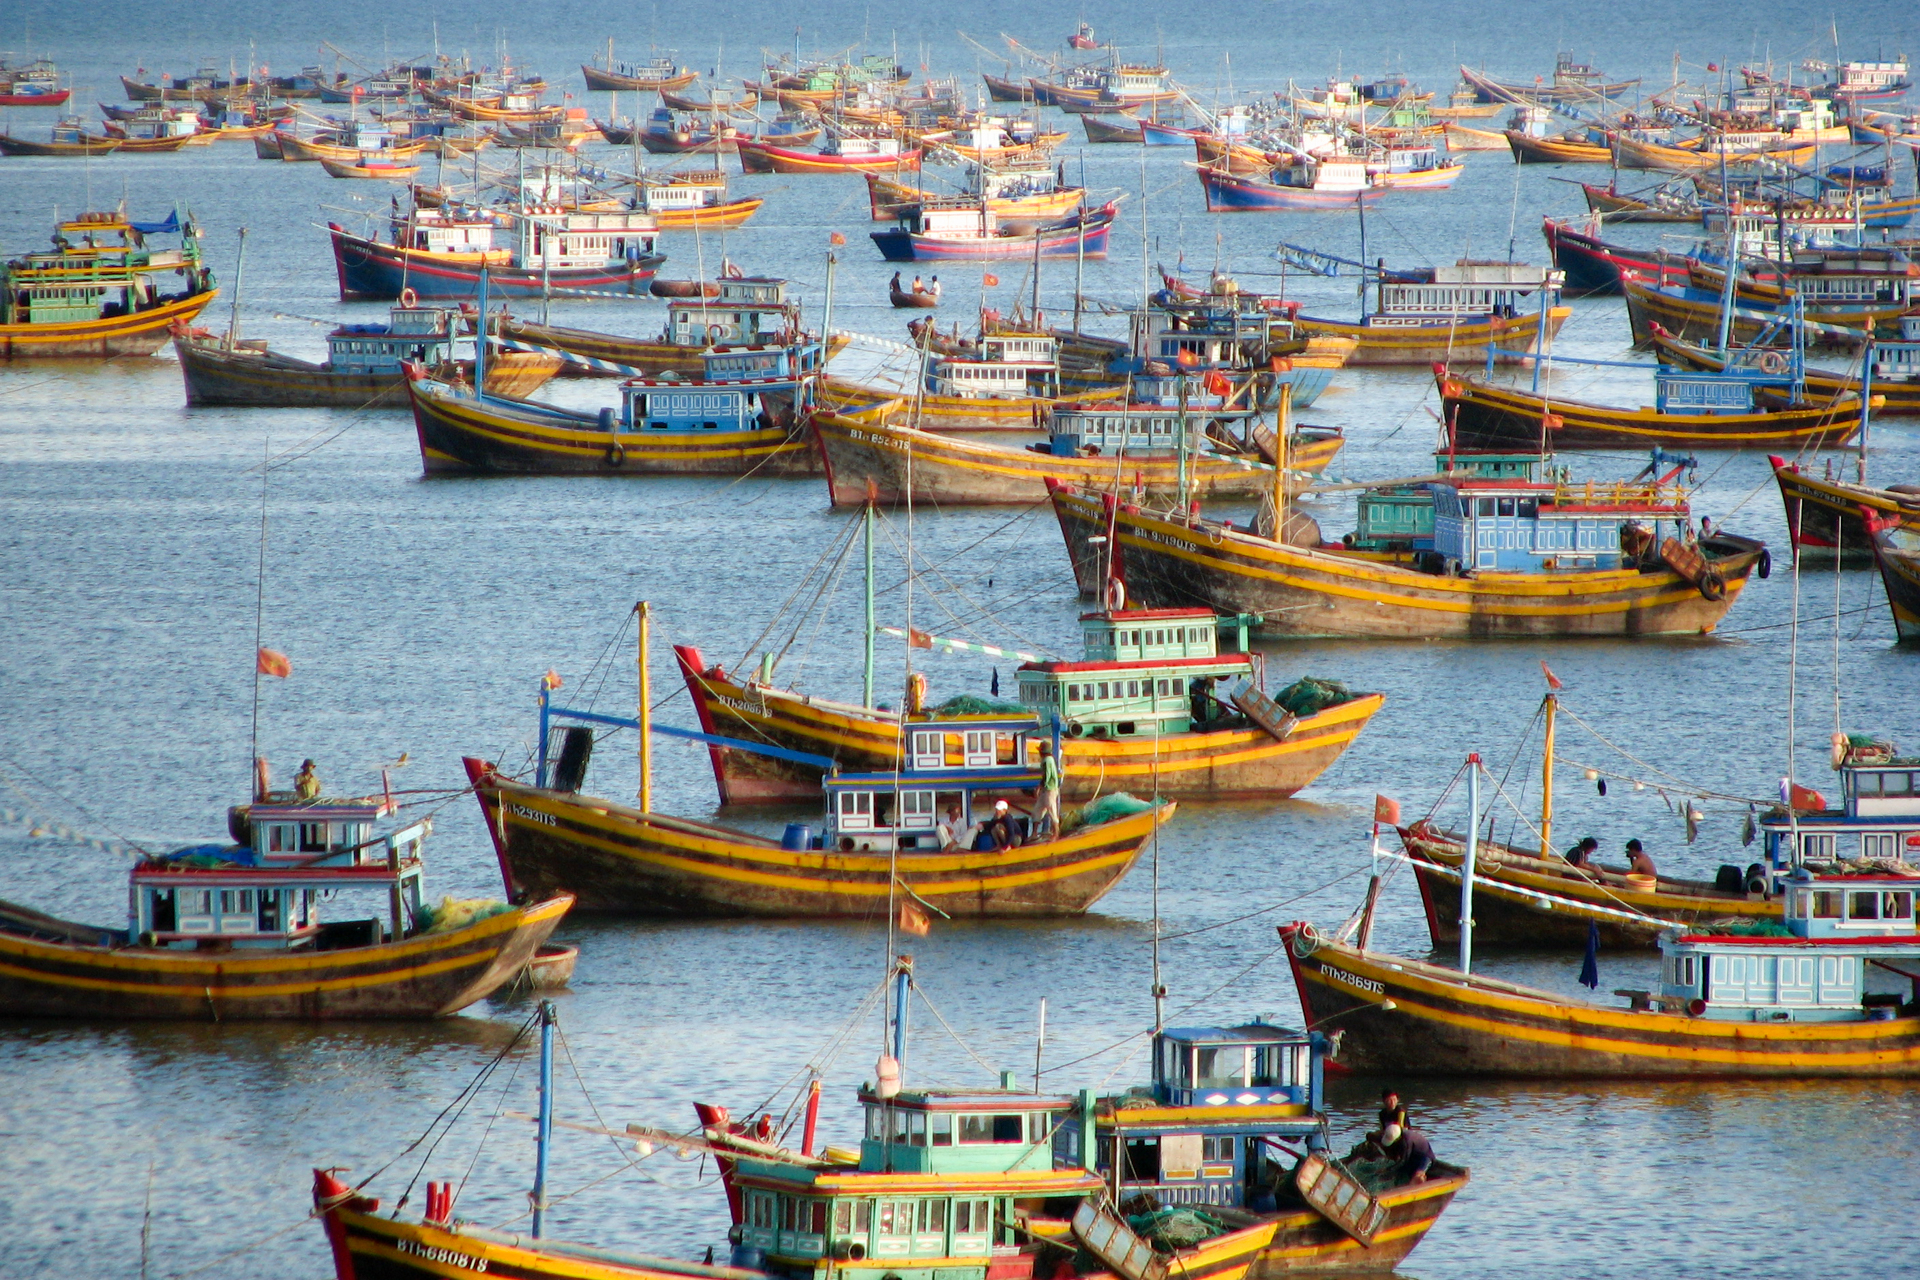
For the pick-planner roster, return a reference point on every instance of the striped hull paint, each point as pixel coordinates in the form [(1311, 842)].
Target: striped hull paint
[(1900, 573), (1697, 319), (900, 245), (425, 976), (460, 435), (1530, 150), (963, 413), (253, 379), (1821, 511), (1901, 399), (1302, 1242), (624, 862), (1489, 417), (1425, 342), (1595, 267), (1228, 764), (1231, 193), (639, 353), (140, 334), (369, 270), (1651, 155), (868, 455), (1317, 592), (367, 1245), (295, 147), (1502, 917), (713, 217), (754, 153), (1441, 1023)]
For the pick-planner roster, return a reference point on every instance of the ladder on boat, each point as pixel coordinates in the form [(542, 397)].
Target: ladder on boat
[(1098, 1226), (1262, 710), (1338, 1196)]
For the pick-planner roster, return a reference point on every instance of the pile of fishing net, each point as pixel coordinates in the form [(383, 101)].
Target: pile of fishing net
[(454, 914), (1309, 696), (210, 857), (967, 704), (1177, 1228), (1109, 808), (1752, 928), (1375, 1173)]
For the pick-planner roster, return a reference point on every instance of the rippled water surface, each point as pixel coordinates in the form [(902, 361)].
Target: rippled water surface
[(419, 617)]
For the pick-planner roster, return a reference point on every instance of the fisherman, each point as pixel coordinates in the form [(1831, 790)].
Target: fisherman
[(1411, 1148), (1000, 828), (933, 287), (1392, 1110), (954, 832), (1581, 855), (306, 783), (1046, 814), (1200, 700), (1637, 860), (917, 286), (895, 286)]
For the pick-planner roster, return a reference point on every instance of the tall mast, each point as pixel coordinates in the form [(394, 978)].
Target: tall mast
[(239, 272), (867, 684), (1551, 705), (1466, 865), (644, 717), (545, 1131)]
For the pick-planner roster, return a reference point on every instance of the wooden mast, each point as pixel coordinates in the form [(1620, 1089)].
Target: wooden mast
[(645, 721), (1551, 705)]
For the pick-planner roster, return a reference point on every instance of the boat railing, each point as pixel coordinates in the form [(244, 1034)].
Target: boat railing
[(1619, 493)]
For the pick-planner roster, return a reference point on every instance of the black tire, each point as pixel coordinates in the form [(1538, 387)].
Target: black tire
[(1764, 566), (616, 455), (1712, 585)]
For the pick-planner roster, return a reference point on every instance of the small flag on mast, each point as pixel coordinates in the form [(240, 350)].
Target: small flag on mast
[(271, 662), (913, 920), (551, 680), (1553, 681), (989, 279)]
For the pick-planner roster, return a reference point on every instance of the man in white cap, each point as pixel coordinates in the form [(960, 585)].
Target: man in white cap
[(1000, 826), (1411, 1148)]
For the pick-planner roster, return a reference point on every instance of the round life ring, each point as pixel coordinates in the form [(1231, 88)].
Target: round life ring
[(715, 332), (1116, 595), (616, 455), (408, 298), (1773, 362)]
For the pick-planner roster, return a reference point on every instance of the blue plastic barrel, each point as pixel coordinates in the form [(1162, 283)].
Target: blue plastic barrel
[(799, 836)]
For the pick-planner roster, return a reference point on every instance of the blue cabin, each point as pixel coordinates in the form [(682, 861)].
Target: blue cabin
[(745, 389), (425, 335), (965, 762), (1400, 518), (1876, 822), (1529, 527)]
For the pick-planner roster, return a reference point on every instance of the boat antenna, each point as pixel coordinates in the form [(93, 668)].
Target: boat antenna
[(259, 609), (239, 270)]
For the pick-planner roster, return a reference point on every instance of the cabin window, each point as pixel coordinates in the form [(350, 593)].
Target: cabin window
[(853, 1217), (1216, 1150), (1179, 686), (927, 751), (916, 809), (930, 1216), (1896, 905), (1866, 784), (1219, 1067), (280, 839), (979, 748), (876, 1124), (1879, 845), (1896, 784), (1504, 506), (896, 1217), (1817, 848), (1529, 508), (1688, 968), (978, 1128), (1103, 690), (856, 810), (897, 1129), (235, 902), (916, 1128), (942, 1129), (1486, 506), (1826, 904), (1164, 686), (761, 1210), (270, 921), (972, 1217), (1271, 1065), (1863, 906), (313, 837)]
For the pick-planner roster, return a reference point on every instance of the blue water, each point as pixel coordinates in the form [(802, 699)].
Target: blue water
[(419, 617)]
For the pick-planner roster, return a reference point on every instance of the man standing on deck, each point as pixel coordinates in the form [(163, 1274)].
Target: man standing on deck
[(306, 783), (1046, 814)]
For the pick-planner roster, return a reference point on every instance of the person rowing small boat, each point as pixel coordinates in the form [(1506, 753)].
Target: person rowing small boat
[(920, 295)]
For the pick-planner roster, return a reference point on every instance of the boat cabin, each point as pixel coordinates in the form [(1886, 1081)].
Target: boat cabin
[(745, 389), (1486, 525), (449, 230), (1010, 366), (100, 265), (1206, 1131), (1128, 82), (1400, 519), (856, 146), (684, 192), (265, 893), (1223, 330), (425, 335), (1467, 288), (1139, 673), (1154, 425), (968, 761), (750, 311), (549, 236), (1899, 361), (1877, 822)]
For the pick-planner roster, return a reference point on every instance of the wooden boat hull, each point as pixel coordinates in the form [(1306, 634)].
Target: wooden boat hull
[(1635, 154), (461, 435), (426, 976), (907, 298), (715, 217), (12, 146), (295, 147), (1105, 131), (388, 172), (1425, 343), (613, 80), (1231, 193), (889, 200), (968, 414), (1406, 1017), (139, 334), (370, 270), (1900, 574), (1228, 764), (1594, 266), (1823, 514), (1461, 137), (1698, 319), (1320, 592), (54, 98), (1530, 150), (629, 863), (265, 380), (867, 454), (1492, 417), (654, 356), (780, 159), (1000, 89), (1085, 237), (1507, 912), (1618, 208), (1303, 1242), (1891, 399)]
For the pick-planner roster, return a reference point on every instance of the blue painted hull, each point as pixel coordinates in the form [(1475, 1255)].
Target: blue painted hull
[(1229, 194), (368, 270)]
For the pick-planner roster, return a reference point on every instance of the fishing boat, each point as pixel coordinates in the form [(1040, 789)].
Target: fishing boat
[(1463, 137), (1824, 513), (1546, 559), (549, 251), (912, 298), (1137, 710), (1866, 303), (1896, 368), (725, 101), (1633, 153), (363, 370), (1006, 89), (1021, 196), (205, 85), (1661, 204), (1100, 130), (1572, 148), (101, 290), (1202, 447), (1462, 312), (741, 311), (1574, 82), (696, 199), (672, 134), (745, 415), (1310, 184), (1898, 559), (69, 138), (1007, 381), (227, 932), (31, 84), (840, 153), (1596, 266), (1103, 88), (1691, 410), (371, 167), (661, 74), (352, 143), (1223, 327), (960, 229)]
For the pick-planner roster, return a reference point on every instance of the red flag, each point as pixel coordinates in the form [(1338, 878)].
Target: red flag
[(1186, 357), (913, 920), (989, 279), (836, 238), (1553, 681), (271, 662), (1386, 811), (551, 680), (1713, 66), (917, 639), (1217, 383), (1551, 422)]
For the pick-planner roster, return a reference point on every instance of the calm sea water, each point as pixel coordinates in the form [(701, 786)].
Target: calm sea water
[(419, 617)]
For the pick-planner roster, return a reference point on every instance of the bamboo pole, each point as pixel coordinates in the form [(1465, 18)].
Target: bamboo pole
[(645, 720)]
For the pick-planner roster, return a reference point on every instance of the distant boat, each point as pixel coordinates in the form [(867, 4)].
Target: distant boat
[(1320, 184), (1100, 130), (135, 292), (1898, 557), (1826, 516), (959, 229)]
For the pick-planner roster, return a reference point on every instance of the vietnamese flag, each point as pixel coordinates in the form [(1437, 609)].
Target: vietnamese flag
[(1386, 810), (989, 279), (836, 238), (271, 662), (1553, 681), (915, 921)]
